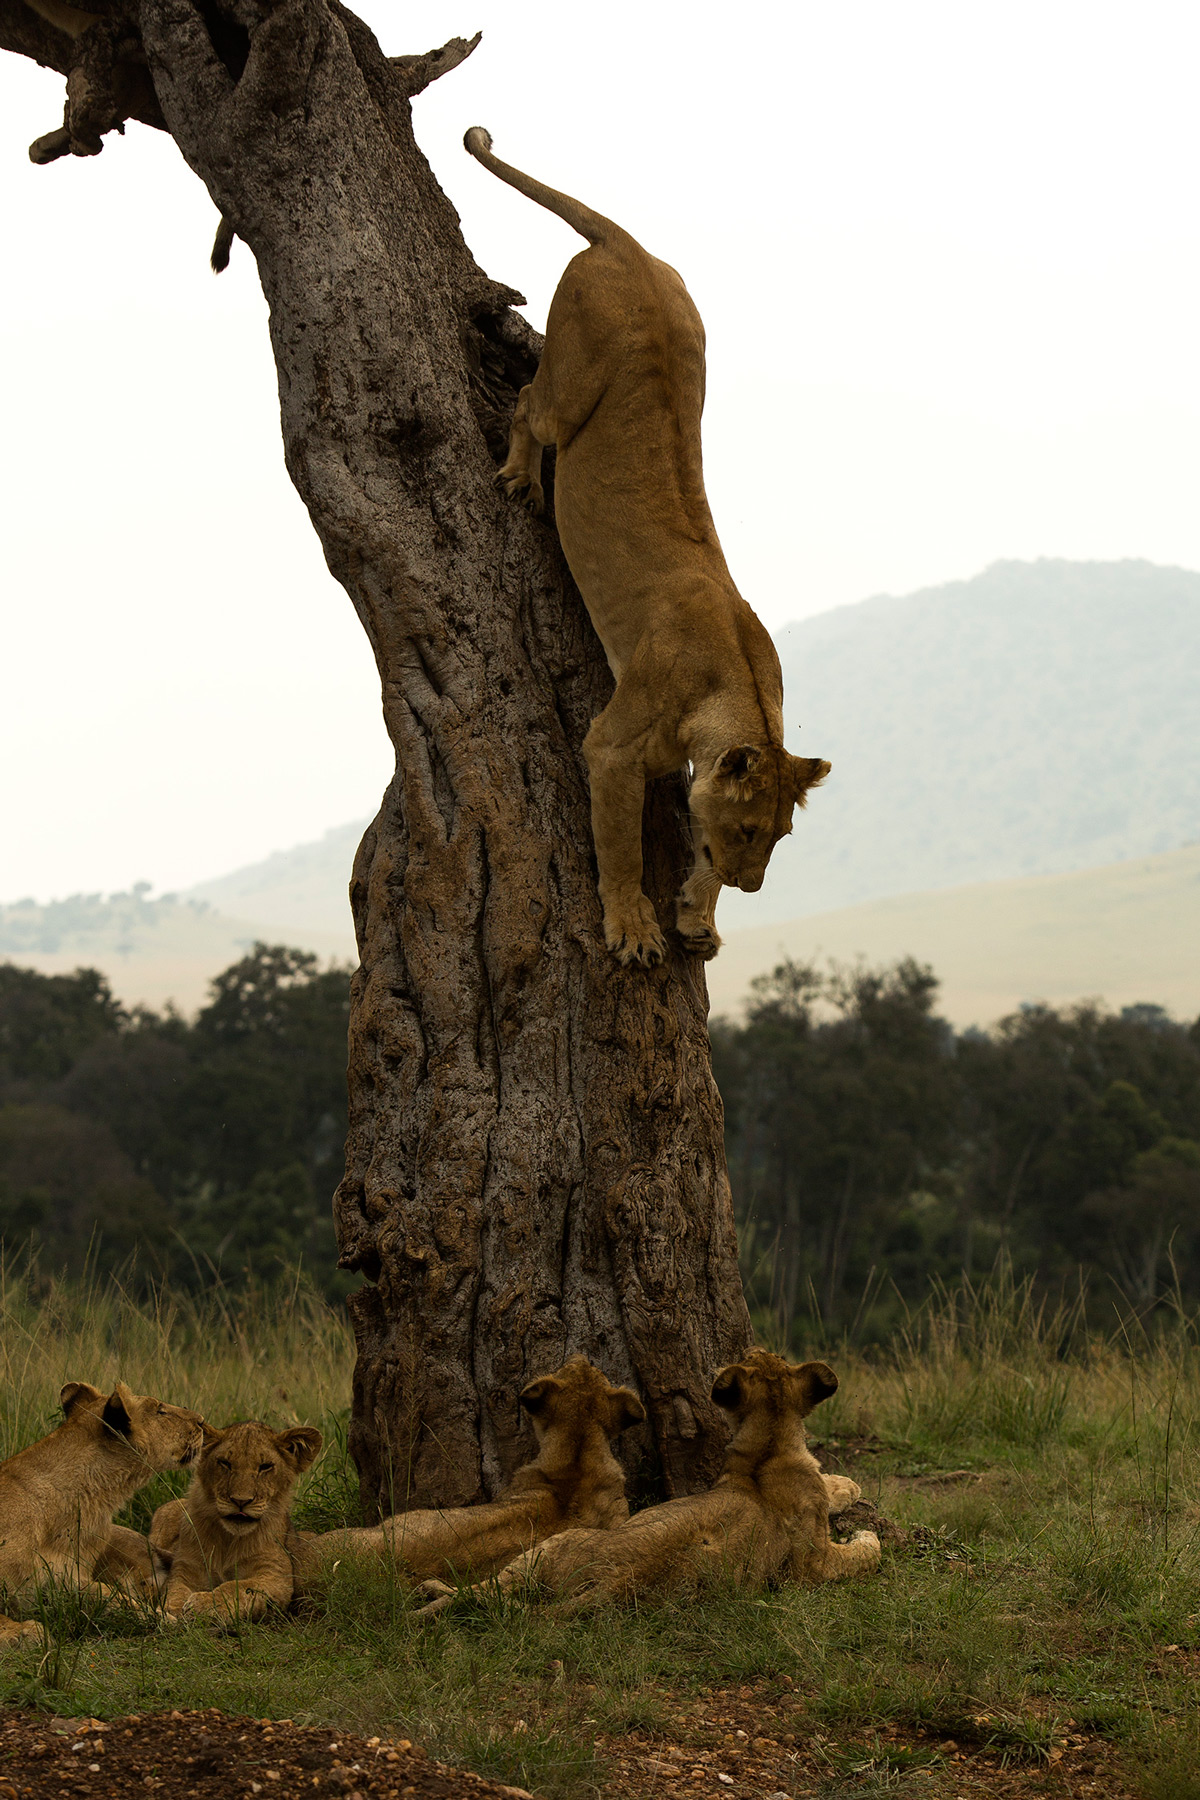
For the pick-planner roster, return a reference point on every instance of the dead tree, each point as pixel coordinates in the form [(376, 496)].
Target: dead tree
[(535, 1162)]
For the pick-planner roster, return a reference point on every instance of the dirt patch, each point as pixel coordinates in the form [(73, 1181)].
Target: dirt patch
[(756, 1745), (864, 1515), (837, 1456), (209, 1756)]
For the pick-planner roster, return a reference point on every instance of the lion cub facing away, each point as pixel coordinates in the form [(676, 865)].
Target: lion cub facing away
[(574, 1480), (58, 1496), (767, 1518), (619, 392), (227, 1545)]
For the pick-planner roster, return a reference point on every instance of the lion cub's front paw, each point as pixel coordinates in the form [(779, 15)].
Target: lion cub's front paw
[(842, 1492), (518, 484), (198, 1605), (632, 934), (16, 1632), (699, 935)]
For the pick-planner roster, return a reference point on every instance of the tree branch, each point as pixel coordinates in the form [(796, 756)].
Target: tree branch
[(416, 72), (107, 78)]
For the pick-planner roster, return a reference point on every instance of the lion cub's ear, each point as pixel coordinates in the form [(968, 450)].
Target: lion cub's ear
[(727, 1389), (535, 1394), (74, 1392), (116, 1415), (807, 772), (627, 1409), (736, 767), (301, 1445), (819, 1381)]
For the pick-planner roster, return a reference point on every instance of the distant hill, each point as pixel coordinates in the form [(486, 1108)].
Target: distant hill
[(305, 889), (153, 951), (1038, 718), (1126, 934)]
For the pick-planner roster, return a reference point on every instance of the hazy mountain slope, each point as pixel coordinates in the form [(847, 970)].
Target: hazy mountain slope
[(1127, 933), (151, 950), (305, 889), (1040, 717)]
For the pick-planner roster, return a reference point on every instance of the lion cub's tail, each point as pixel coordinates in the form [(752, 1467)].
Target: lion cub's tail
[(591, 225)]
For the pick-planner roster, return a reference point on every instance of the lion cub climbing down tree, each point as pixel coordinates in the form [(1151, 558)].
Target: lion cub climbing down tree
[(58, 1496), (766, 1519), (227, 1545), (619, 392), (574, 1480)]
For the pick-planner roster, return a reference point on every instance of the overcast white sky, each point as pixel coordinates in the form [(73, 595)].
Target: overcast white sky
[(948, 256)]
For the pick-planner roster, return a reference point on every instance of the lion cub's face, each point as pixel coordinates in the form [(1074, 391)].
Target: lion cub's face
[(248, 1471), (742, 805), (161, 1436)]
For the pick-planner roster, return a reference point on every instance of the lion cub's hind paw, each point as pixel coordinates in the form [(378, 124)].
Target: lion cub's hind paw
[(436, 1597), (698, 939), (433, 1589), (518, 485)]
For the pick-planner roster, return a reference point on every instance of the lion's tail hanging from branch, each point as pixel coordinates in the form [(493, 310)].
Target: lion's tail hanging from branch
[(591, 225), (222, 245)]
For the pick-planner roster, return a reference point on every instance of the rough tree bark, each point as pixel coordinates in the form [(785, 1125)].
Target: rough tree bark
[(535, 1162)]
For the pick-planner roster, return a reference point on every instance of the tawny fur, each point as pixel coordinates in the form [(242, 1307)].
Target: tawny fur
[(766, 1519), (227, 1547), (574, 1480), (619, 393), (58, 1497)]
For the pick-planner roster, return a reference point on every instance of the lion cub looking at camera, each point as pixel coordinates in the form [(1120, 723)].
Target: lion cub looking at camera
[(619, 392), (767, 1518), (58, 1496), (574, 1480), (227, 1545)]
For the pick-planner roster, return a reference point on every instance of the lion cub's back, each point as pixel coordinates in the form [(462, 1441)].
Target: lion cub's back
[(617, 315)]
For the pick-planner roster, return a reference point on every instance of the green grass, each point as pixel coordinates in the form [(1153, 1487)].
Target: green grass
[(1059, 1593)]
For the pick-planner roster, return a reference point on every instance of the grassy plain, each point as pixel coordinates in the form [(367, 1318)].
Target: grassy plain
[(1037, 1633)]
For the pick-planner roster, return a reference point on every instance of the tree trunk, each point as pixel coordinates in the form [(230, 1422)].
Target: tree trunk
[(535, 1162)]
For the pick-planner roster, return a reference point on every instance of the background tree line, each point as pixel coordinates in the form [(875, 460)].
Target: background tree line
[(182, 1147), (871, 1147)]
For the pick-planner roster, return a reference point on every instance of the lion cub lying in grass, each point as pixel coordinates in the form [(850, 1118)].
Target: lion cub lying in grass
[(574, 1480), (58, 1496), (619, 392), (767, 1518), (227, 1546)]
